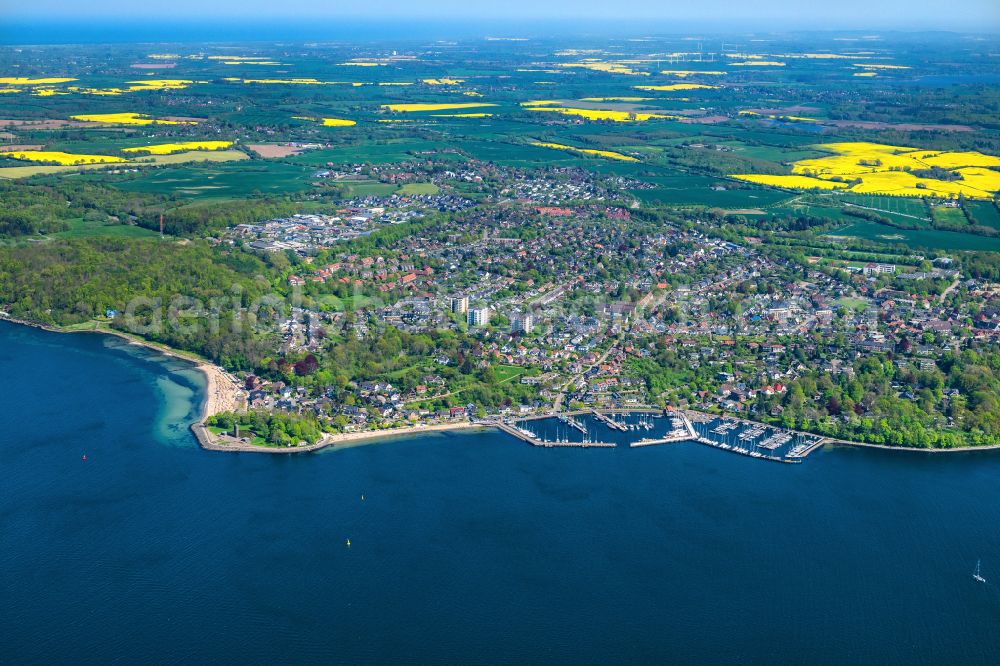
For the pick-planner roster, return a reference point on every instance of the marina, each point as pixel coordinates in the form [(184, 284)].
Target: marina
[(609, 421), (756, 440), (560, 439), (746, 438)]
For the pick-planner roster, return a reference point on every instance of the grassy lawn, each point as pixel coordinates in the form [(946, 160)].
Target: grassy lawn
[(506, 373), (949, 215), (373, 188), (419, 188), (852, 303)]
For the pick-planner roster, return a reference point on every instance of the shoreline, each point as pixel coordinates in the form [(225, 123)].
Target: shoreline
[(211, 442), (222, 394), (221, 391), (848, 443)]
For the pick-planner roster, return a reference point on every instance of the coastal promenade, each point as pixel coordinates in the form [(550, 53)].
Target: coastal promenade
[(534, 441), (211, 442)]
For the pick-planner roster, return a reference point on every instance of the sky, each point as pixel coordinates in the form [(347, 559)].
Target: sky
[(972, 15)]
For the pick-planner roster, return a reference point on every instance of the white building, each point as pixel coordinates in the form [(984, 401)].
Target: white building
[(521, 323), (460, 304), (478, 317)]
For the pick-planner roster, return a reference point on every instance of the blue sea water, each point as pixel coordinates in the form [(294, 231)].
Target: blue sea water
[(467, 548)]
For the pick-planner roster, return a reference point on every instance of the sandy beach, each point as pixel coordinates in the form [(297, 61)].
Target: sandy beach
[(221, 392)]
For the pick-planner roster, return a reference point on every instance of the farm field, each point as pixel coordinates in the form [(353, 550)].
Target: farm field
[(984, 212), (947, 215), (875, 168), (930, 238), (733, 138), (222, 180)]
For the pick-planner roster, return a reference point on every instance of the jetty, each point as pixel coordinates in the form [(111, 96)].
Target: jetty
[(803, 450), (608, 421), (572, 423), (529, 437), (669, 439), (752, 453)]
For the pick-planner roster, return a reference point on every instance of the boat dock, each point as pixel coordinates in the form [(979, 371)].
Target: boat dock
[(608, 421), (572, 423), (803, 450), (669, 439), (530, 438), (745, 452)]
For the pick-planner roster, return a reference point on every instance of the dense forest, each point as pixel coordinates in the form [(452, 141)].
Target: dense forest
[(185, 294), (31, 209)]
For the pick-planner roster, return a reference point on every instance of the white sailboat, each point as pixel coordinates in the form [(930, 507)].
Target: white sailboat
[(976, 576)]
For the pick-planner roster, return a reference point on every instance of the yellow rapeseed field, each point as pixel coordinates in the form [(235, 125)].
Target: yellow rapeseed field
[(874, 168), (105, 92), (677, 86), (607, 67), (300, 82), (610, 154), (773, 116), (159, 84), (602, 114), (816, 56), (794, 182), (288, 82), (168, 148), (407, 108), (443, 82), (954, 160), (681, 73), (64, 159), (328, 122), (128, 119), (21, 81), (615, 99), (879, 66)]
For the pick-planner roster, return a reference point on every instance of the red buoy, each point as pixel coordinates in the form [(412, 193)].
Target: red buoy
[(84, 456)]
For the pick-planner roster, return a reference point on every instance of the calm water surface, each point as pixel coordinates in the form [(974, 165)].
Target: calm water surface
[(467, 548)]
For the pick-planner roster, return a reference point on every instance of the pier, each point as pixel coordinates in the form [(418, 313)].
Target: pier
[(534, 441), (730, 422), (572, 423), (745, 452), (669, 439), (608, 421), (798, 452)]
